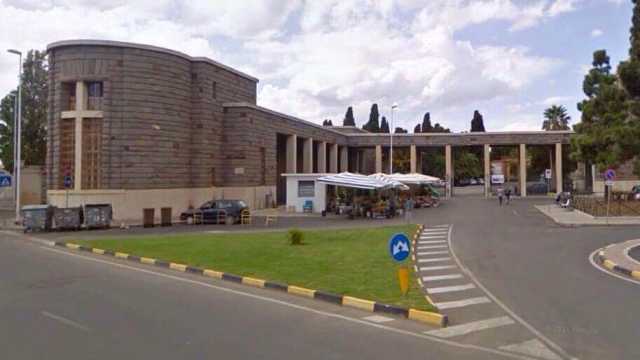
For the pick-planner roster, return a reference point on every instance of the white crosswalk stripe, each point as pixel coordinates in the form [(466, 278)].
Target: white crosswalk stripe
[(463, 329), (533, 347), (442, 234), (432, 242), (433, 247), (425, 253), (441, 226), (462, 303), (441, 277), (439, 267), (432, 237), (446, 289), (434, 259)]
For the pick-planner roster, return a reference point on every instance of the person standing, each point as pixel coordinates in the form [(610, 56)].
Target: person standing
[(500, 193), (508, 195), (408, 210)]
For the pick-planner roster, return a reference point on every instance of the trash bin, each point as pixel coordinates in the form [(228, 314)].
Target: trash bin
[(37, 217), (67, 218), (98, 216), (148, 217), (165, 216)]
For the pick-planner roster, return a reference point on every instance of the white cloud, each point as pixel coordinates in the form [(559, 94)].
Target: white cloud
[(596, 32), (562, 6), (558, 100)]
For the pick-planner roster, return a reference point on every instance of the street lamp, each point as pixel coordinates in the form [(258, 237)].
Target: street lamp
[(393, 107), (18, 131)]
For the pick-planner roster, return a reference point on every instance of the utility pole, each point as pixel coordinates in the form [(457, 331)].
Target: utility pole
[(18, 133), (393, 107)]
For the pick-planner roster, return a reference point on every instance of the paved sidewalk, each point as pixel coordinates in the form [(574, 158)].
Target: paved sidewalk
[(578, 218)]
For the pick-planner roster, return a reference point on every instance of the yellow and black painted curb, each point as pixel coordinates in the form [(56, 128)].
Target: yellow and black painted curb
[(602, 260), (443, 318), (362, 304)]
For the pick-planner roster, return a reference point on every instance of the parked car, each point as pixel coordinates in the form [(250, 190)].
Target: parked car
[(462, 182), (217, 211), (635, 192), (537, 188), (473, 181), (480, 181)]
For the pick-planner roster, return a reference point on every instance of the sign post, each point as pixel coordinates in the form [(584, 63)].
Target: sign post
[(547, 178), (400, 248), (609, 176)]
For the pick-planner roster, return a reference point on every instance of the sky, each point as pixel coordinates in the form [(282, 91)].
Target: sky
[(508, 59)]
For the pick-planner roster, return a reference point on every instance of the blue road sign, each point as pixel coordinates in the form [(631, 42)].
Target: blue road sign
[(5, 180), (68, 182), (399, 247), (610, 174)]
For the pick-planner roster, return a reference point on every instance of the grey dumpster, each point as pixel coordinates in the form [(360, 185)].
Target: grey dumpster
[(37, 217), (98, 216), (67, 218)]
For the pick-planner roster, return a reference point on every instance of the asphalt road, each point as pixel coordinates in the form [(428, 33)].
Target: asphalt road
[(541, 272), (59, 304)]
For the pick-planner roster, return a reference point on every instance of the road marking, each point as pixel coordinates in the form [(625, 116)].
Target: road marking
[(294, 306), (446, 289), (439, 233), (439, 267), (435, 231), (462, 303), (432, 237), (64, 321), (434, 260), (504, 307), (431, 252), (463, 329), (532, 347), (440, 226), (441, 277), (432, 242), (605, 271), (378, 319), (433, 247)]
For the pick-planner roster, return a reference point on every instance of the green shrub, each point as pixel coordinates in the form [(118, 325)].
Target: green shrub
[(295, 237)]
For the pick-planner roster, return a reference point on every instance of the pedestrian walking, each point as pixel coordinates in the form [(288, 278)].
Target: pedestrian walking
[(408, 210), (500, 193), (508, 195)]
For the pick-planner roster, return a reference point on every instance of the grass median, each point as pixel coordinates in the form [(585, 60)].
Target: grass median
[(353, 262)]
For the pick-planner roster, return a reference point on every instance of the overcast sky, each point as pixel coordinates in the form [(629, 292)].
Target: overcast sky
[(508, 59)]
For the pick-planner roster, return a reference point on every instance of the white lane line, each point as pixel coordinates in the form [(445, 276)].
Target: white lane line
[(432, 242), (64, 320), (424, 253), (504, 307), (295, 306), (533, 347), (433, 247), (463, 329), (446, 289), (434, 260), (593, 254), (377, 319), (462, 303), (441, 277), (439, 267)]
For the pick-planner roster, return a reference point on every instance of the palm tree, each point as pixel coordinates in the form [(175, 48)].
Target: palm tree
[(556, 118)]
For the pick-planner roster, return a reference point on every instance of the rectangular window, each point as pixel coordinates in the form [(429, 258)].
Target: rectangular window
[(91, 150), (306, 188), (214, 90), (94, 88), (67, 151), (263, 166), (69, 94)]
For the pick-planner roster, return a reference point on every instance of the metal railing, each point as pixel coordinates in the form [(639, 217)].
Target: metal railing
[(597, 206)]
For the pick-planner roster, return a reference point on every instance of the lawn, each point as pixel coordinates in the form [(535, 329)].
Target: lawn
[(352, 262)]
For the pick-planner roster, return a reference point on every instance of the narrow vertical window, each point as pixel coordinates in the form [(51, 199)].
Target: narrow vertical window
[(214, 90)]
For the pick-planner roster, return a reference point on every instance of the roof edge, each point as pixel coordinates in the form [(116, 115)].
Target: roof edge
[(92, 42)]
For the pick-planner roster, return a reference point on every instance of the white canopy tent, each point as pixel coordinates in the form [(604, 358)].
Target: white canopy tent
[(410, 179), (359, 181)]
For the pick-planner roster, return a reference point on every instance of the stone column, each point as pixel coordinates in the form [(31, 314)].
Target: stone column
[(292, 153), (322, 157), (448, 169), (558, 169), (81, 105), (487, 170), (344, 159), (307, 156), (333, 158), (378, 158), (413, 159), (419, 168), (523, 170)]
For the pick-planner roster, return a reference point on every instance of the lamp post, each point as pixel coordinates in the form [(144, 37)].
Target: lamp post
[(18, 131), (393, 107)]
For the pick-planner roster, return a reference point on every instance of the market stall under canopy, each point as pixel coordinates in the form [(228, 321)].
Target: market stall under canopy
[(359, 181)]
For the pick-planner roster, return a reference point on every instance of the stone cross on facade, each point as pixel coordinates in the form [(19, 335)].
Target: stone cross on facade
[(80, 112)]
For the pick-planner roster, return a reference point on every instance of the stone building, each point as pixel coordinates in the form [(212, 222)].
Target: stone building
[(139, 126)]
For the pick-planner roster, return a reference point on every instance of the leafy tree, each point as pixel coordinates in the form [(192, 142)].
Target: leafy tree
[(327, 122), (466, 164), (426, 123), (556, 118), (400, 130), (417, 129), (384, 126), (349, 120), (34, 113), (373, 125), (437, 128), (477, 124)]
